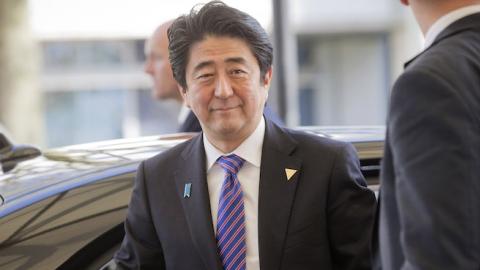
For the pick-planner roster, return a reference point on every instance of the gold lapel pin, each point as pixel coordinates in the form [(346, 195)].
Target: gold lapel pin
[(289, 173)]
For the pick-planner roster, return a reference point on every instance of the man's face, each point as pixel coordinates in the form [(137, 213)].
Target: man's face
[(157, 65), (224, 88)]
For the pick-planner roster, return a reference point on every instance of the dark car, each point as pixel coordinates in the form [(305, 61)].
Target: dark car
[(65, 208)]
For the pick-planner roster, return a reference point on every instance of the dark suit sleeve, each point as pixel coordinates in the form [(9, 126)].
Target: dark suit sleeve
[(431, 131), (350, 213), (140, 248)]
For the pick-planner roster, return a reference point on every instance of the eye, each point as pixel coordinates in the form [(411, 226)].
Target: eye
[(204, 76), (238, 72)]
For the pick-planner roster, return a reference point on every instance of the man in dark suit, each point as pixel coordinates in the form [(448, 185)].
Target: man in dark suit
[(157, 65), (429, 197), (245, 193)]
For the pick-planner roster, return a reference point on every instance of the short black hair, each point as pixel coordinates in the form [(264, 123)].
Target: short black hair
[(216, 19)]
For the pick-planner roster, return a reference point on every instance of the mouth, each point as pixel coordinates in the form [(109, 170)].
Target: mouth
[(225, 109)]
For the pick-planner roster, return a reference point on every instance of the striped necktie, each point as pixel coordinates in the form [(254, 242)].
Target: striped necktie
[(231, 216)]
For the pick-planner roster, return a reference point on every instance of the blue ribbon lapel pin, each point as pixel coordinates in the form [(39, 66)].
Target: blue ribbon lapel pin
[(187, 190)]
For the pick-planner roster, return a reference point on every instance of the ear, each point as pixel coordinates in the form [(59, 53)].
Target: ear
[(267, 79), (183, 92), (405, 2)]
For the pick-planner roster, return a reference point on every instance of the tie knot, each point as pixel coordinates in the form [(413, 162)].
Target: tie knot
[(231, 163)]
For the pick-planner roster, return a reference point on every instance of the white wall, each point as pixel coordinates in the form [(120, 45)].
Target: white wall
[(353, 76)]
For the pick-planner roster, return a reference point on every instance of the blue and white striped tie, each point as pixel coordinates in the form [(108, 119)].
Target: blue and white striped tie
[(231, 216)]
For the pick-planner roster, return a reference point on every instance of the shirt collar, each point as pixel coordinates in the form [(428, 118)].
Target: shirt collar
[(184, 111), (250, 149), (449, 18)]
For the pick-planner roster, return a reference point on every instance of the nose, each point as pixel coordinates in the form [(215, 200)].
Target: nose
[(223, 87)]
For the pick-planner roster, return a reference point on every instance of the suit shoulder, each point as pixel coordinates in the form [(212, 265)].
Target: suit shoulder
[(320, 152), (447, 70), (167, 157), (452, 58), (311, 142)]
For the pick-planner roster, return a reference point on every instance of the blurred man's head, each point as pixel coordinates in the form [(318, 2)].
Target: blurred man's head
[(157, 65)]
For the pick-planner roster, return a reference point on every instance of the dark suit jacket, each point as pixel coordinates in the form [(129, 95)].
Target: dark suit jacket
[(191, 124), (320, 219), (430, 188)]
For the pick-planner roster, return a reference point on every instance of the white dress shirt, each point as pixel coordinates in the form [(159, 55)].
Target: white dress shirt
[(249, 177), (446, 20)]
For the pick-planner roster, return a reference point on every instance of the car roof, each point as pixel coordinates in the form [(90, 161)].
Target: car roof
[(67, 167)]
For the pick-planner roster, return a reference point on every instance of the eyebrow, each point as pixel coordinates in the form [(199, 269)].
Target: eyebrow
[(202, 65), (238, 60)]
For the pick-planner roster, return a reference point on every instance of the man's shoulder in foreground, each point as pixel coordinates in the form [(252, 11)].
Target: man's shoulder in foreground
[(454, 51)]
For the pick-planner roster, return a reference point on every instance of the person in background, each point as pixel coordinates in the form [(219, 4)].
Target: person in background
[(430, 180), (157, 65), (245, 193)]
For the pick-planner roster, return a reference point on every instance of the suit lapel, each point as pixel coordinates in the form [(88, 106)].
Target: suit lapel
[(276, 194), (191, 170)]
